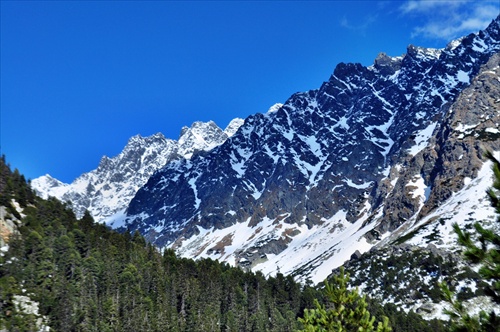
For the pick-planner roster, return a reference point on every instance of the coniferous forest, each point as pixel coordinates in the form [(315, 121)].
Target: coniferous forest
[(86, 277)]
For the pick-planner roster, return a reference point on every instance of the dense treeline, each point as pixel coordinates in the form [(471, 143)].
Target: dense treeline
[(86, 277), (13, 186)]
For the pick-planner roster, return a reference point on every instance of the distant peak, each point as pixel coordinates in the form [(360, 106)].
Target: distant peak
[(47, 176), (274, 108), (233, 126), (454, 44), (141, 139), (424, 51), (347, 69), (197, 126), (387, 64), (134, 138), (45, 181), (383, 59), (158, 135)]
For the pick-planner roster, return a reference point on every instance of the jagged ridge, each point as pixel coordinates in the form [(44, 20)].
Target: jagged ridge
[(106, 191), (323, 173)]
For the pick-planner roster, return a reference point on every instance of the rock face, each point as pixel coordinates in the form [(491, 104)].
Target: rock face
[(470, 127), (432, 183), (333, 170), (107, 190)]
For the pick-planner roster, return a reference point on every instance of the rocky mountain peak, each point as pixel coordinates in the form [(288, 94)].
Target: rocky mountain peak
[(423, 52), (387, 65), (140, 140), (454, 44), (274, 108), (233, 126), (200, 136), (47, 182), (348, 70)]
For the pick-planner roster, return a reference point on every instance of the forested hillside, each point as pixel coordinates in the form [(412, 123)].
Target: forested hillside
[(72, 274)]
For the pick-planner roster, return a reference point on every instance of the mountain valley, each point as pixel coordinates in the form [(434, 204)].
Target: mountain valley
[(379, 160)]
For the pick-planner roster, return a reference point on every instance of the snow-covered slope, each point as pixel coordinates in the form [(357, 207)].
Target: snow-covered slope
[(407, 267), (465, 207), (107, 190), (335, 170)]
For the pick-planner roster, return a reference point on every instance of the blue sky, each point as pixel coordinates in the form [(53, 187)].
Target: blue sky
[(79, 78)]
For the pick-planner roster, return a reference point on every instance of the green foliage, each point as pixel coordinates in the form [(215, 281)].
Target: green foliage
[(386, 272), (346, 311), (13, 187), (481, 247), (459, 312), (403, 321)]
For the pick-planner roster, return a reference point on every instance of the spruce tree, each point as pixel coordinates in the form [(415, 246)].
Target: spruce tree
[(346, 311)]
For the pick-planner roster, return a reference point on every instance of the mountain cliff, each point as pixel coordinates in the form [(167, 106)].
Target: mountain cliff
[(364, 159), (107, 190)]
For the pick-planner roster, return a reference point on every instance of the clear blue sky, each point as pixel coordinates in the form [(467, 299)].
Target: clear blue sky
[(79, 78)]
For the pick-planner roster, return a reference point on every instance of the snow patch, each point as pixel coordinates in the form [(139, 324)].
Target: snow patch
[(274, 108), (350, 183), (192, 183), (462, 76), (492, 130), (421, 191), (466, 206), (422, 139), (465, 128)]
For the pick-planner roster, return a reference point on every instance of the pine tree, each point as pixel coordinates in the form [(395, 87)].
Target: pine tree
[(483, 248), (346, 311)]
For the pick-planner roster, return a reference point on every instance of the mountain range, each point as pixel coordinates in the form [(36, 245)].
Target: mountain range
[(107, 190), (376, 157)]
